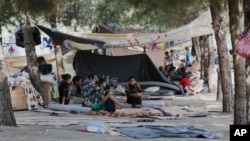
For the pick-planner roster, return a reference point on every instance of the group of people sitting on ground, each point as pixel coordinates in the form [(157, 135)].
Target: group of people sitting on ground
[(88, 92), (182, 73), (94, 92)]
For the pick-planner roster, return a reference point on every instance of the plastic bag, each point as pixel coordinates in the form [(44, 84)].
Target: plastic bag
[(94, 126)]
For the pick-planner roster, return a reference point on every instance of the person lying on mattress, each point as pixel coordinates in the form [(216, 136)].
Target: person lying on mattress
[(101, 98), (134, 93)]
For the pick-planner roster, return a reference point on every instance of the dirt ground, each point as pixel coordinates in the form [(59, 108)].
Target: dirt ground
[(53, 130)]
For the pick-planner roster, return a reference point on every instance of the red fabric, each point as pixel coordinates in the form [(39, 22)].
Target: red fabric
[(185, 82), (54, 44), (243, 45)]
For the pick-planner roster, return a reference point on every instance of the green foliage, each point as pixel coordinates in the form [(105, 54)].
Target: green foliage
[(114, 11), (168, 13), (11, 8), (81, 10), (33, 7), (147, 14), (6, 12)]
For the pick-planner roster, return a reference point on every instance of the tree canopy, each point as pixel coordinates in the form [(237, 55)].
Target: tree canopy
[(147, 14), (144, 14)]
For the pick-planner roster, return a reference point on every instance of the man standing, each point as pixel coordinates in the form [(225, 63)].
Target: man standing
[(188, 57)]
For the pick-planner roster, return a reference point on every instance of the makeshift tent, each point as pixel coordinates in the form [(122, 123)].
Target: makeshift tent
[(120, 68), (60, 37), (157, 56), (200, 26)]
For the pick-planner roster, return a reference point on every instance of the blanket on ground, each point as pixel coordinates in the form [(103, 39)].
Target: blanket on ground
[(152, 131), (132, 112)]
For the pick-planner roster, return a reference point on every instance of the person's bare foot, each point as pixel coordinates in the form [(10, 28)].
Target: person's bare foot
[(138, 106), (122, 104), (118, 107)]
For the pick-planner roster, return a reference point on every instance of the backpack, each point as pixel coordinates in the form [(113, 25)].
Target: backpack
[(45, 69)]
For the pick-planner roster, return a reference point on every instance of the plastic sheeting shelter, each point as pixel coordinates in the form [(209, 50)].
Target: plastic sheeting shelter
[(77, 40), (88, 41), (121, 68)]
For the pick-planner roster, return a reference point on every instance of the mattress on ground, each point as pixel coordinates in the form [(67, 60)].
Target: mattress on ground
[(73, 107), (154, 83), (149, 103), (158, 91)]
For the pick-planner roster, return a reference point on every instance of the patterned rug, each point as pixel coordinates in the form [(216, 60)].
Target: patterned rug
[(132, 112)]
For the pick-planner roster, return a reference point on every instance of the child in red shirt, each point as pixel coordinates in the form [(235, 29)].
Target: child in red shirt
[(186, 83)]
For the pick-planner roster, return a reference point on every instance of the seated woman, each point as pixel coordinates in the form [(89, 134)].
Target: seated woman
[(64, 89), (100, 94), (134, 93)]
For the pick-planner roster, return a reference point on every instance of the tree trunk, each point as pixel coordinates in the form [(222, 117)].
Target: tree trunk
[(236, 26), (7, 117), (203, 42), (225, 71), (211, 72), (52, 20), (31, 56), (219, 91), (248, 89), (74, 24), (246, 9), (59, 63), (197, 50), (202, 60)]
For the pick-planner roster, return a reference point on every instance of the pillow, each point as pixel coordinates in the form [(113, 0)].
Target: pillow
[(152, 89)]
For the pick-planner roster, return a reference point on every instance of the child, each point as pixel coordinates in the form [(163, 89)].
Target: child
[(109, 101), (63, 89), (134, 93), (186, 83)]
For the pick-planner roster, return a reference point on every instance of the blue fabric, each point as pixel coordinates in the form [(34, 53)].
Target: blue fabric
[(188, 58), (151, 131), (70, 107)]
